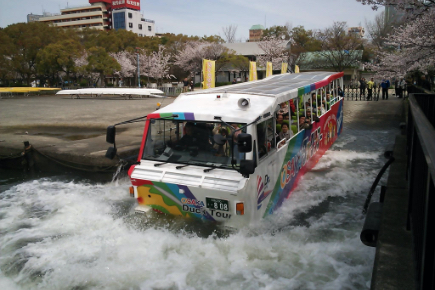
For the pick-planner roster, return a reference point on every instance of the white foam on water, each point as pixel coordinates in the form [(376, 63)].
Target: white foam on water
[(62, 235)]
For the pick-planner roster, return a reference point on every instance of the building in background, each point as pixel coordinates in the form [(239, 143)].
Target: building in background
[(97, 15), (126, 15), (357, 31), (255, 33), (102, 15), (35, 17)]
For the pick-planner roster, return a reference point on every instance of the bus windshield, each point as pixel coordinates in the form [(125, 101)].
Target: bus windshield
[(193, 143)]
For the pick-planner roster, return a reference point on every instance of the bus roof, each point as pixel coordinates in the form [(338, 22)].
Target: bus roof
[(264, 95), (278, 85)]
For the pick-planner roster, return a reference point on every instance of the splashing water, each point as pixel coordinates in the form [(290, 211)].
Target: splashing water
[(58, 234), (121, 166)]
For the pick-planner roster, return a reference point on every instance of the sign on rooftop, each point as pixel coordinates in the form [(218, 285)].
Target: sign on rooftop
[(131, 4)]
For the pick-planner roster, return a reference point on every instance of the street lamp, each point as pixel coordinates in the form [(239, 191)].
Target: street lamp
[(138, 69)]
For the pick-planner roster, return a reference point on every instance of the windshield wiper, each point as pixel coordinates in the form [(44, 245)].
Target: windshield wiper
[(158, 164), (213, 167), (179, 167)]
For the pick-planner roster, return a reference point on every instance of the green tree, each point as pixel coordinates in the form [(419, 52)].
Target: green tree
[(213, 38), (99, 61), (6, 49), (303, 41), (27, 40), (58, 58), (277, 31), (239, 62)]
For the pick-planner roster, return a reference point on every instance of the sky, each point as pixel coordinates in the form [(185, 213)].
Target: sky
[(209, 17)]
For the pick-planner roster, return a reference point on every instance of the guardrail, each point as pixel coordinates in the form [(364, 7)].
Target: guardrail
[(421, 185), (170, 91), (354, 93)]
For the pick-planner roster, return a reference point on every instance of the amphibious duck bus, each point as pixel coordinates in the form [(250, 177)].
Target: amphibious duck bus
[(217, 154)]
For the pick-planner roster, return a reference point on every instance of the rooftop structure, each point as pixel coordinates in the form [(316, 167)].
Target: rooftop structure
[(249, 49), (255, 32), (357, 31)]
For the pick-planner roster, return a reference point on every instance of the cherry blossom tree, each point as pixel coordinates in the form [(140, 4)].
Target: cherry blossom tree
[(415, 49), (159, 64), (125, 60), (275, 50), (81, 63), (190, 58), (413, 7), (414, 42)]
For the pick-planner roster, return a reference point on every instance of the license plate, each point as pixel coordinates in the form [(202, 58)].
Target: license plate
[(217, 204)]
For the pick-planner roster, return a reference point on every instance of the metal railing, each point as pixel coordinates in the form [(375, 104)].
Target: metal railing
[(421, 186), (354, 93), (171, 91)]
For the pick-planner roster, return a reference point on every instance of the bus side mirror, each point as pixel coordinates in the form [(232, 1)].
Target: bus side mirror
[(111, 153), (110, 134), (247, 167), (244, 143)]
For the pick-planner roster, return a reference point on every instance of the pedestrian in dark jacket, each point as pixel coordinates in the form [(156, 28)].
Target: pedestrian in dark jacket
[(385, 85)]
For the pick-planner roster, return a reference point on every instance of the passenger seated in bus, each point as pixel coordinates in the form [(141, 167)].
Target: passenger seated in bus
[(286, 116), (279, 119), (314, 100), (322, 108), (284, 108), (222, 149), (292, 107), (311, 117), (285, 132), (303, 124), (236, 154), (340, 92)]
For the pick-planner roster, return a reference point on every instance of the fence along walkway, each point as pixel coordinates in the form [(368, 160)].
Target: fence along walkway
[(421, 185), (353, 93)]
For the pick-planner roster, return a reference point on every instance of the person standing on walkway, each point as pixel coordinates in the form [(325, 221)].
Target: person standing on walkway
[(362, 88), (185, 85), (402, 85), (370, 85), (385, 85)]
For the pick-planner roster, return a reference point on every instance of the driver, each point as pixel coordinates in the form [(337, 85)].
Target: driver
[(189, 138)]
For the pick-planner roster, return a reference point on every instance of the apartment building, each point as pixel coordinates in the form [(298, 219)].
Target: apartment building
[(102, 15)]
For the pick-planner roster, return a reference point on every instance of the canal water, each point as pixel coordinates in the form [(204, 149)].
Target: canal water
[(67, 232)]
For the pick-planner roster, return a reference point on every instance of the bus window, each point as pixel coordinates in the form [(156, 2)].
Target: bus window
[(265, 137)]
